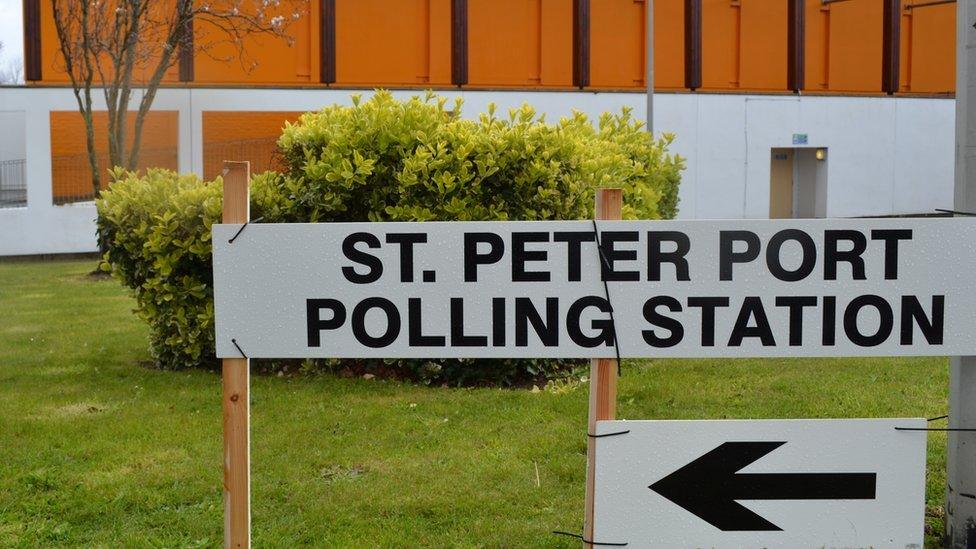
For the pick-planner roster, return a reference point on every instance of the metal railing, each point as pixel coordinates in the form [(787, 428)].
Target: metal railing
[(262, 153), (13, 184), (71, 176)]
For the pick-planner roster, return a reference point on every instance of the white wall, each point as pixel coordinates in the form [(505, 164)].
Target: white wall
[(887, 155), (12, 124), (42, 227)]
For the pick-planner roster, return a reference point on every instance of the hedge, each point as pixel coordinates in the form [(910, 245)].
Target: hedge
[(379, 160)]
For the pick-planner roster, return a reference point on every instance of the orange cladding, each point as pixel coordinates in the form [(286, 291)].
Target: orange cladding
[(744, 45), (266, 59), (529, 44), (52, 62), (762, 45), (250, 136), (617, 43), (854, 46), (928, 61), (71, 176), (817, 18), (384, 43), (720, 44), (843, 46), (520, 43), (669, 45)]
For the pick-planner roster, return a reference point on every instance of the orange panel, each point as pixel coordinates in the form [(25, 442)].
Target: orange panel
[(556, 44), (52, 62), (905, 52), (71, 175), (250, 136), (266, 59), (855, 45), (508, 44), (744, 45), (440, 41), (393, 43), (529, 43), (763, 42), (720, 44), (669, 44), (816, 49), (929, 50), (617, 43)]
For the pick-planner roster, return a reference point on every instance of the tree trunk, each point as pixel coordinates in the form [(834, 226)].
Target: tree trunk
[(92, 155)]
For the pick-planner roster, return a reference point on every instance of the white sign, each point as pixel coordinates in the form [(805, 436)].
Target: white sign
[(838, 287), (773, 483)]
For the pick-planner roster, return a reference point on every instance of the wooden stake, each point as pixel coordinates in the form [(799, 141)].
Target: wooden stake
[(603, 376), (236, 386)]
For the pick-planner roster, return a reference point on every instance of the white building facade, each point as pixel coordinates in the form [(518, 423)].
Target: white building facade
[(747, 156)]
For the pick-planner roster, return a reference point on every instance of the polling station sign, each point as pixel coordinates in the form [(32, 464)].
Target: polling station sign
[(767, 483), (762, 288)]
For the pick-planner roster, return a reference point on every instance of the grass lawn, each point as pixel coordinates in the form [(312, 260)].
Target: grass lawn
[(96, 450)]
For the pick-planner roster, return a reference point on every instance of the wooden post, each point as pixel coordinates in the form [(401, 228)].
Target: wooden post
[(236, 386), (603, 376)]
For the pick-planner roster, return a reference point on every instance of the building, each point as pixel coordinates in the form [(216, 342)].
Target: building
[(783, 108)]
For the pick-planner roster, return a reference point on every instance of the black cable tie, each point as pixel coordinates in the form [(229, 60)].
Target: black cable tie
[(955, 212), (934, 429), (234, 341), (597, 543), (606, 292), (608, 434), (936, 418), (241, 230)]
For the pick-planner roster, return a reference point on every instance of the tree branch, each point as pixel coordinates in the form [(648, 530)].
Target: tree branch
[(114, 40)]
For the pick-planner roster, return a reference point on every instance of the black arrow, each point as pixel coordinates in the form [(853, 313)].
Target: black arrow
[(709, 486)]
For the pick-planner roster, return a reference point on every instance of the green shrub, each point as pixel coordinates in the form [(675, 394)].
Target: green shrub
[(384, 160), (156, 230), (381, 160)]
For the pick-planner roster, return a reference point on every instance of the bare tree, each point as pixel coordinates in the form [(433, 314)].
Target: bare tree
[(119, 45), (12, 72)]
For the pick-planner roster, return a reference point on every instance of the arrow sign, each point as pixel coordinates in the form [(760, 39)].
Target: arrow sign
[(735, 483), (709, 486)]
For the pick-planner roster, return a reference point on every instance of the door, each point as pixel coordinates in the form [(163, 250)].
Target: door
[(781, 184)]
